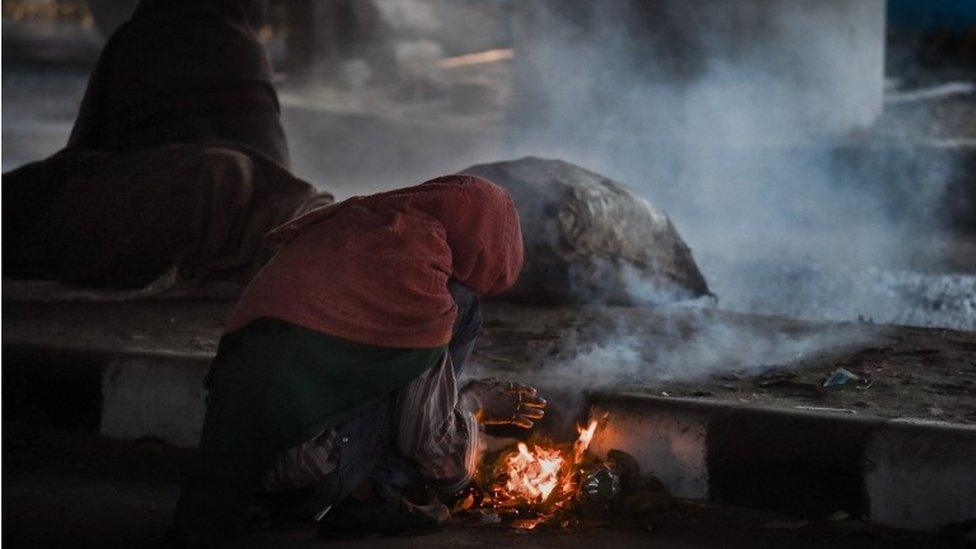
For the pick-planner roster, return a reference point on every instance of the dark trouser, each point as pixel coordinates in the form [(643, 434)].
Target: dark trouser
[(368, 441)]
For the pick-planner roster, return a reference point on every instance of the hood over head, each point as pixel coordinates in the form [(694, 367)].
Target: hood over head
[(375, 269), (480, 222)]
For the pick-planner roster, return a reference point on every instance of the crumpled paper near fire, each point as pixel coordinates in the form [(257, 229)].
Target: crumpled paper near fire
[(535, 483)]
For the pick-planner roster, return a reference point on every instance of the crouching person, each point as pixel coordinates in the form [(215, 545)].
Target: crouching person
[(337, 377)]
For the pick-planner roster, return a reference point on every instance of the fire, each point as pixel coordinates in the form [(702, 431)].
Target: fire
[(539, 479), (533, 475), (583, 441)]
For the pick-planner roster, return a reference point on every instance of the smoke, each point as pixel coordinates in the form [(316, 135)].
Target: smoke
[(619, 347), (749, 123), (683, 352)]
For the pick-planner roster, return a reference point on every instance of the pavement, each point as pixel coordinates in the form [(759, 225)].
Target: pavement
[(707, 355), (720, 406), (75, 489)]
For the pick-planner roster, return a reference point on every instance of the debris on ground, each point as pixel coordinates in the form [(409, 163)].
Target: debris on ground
[(839, 516), (826, 409), (839, 377), (787, 525), (489, 517)]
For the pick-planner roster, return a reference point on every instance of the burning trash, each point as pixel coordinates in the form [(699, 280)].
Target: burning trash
[(533, 483), (532, 475)]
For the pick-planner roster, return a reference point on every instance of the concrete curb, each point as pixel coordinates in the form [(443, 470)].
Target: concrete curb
[(139, 393), (901, 473)]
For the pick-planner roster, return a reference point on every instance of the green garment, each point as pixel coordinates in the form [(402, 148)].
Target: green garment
[(273, 385)]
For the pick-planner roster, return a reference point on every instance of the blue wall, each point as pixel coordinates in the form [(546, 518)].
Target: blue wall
[(957, 16)]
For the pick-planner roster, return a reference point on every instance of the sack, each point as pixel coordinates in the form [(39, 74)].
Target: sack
[(591, 239)]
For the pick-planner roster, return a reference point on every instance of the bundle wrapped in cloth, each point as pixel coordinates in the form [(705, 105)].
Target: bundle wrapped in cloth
[(591, 239), (121, 219)]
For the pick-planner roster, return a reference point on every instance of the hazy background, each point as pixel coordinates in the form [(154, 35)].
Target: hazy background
[(805, 181), (755, 125)]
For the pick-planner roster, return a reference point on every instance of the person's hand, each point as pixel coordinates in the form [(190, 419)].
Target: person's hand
[(495, 402)]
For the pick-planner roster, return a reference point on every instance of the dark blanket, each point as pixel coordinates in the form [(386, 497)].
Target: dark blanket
[(177, 159), (273, 385), (121, 219), (183, 71)]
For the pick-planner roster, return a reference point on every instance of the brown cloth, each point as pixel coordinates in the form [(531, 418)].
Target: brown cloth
[(177, 159), (120, 219)]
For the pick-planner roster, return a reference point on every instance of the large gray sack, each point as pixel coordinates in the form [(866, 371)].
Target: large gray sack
[(591, 239)]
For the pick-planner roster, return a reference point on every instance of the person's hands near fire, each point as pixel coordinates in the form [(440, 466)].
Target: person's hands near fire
[(495, 402)]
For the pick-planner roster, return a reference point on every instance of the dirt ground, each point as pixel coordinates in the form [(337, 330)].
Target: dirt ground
[(70, 489), (748, 359), (679, 352)]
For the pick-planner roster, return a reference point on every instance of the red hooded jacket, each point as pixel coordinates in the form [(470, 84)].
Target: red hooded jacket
[(374, 269)]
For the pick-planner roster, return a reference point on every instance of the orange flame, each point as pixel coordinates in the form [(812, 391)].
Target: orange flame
[(533, 475), (543, 477), (583, 441)]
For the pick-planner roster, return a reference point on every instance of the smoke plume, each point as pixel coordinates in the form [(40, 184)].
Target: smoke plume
[(754, 135)]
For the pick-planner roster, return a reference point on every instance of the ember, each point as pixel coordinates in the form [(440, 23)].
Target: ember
[(533, 482)]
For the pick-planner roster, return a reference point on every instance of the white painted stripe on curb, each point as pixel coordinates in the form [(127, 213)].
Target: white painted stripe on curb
[(917, 475), (153, 396), (920, 480)]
